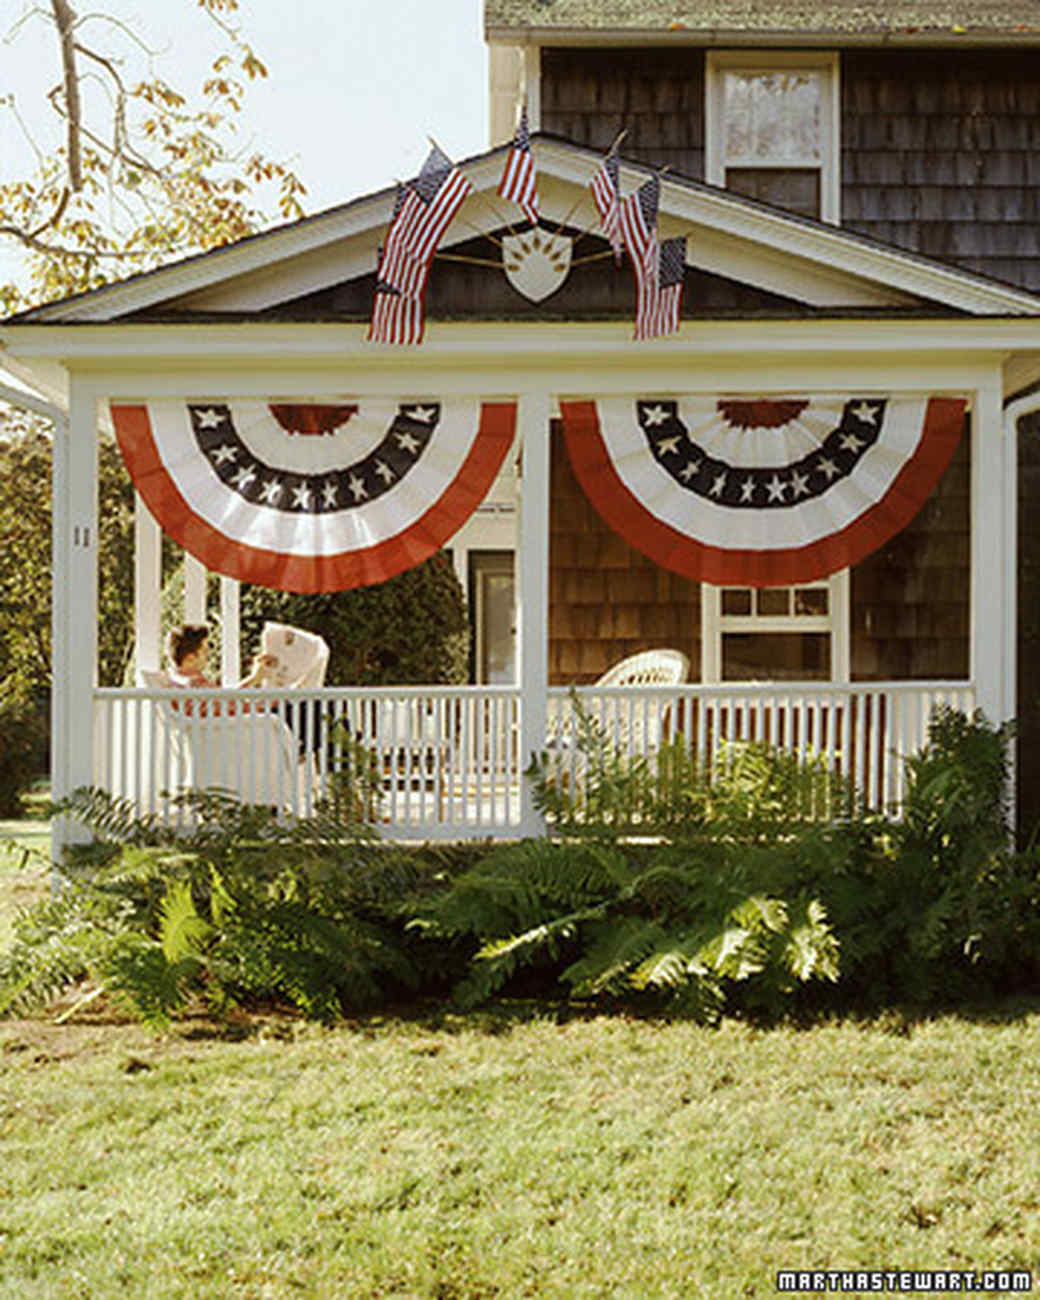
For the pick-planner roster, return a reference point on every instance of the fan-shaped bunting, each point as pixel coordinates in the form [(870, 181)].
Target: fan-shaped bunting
[(316, 496), (760, 492)]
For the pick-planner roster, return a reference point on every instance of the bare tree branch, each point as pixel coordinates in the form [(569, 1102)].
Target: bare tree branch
[(65, 21)]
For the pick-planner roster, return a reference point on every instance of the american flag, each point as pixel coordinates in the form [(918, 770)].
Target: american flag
[(396, 317), (422, 213), (517, 181), (671, 270), (605, 186), (639, 227)]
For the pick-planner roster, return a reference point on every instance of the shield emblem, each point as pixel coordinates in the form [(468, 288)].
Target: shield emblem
[(536, 263)]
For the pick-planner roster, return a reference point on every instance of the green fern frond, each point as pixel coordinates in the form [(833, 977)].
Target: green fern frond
[(182, 932), (614, 947)]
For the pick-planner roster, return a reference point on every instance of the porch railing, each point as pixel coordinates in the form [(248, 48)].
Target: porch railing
[(445, 762)]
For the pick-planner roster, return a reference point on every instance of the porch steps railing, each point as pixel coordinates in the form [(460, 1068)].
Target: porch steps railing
[(444, 761)]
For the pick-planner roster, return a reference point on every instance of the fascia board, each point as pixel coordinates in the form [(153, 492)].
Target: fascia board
[(825, 245), (140, 347)]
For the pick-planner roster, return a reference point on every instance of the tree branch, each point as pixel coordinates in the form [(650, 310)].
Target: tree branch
[(65, 21)]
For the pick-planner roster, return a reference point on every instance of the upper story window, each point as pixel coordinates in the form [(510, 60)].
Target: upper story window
[(772, 128)]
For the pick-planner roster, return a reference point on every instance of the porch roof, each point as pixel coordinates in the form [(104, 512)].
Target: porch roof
[(819, 266)]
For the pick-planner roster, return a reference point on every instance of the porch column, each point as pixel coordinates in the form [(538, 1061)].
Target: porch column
[(992, 557), (533, 591), (230, 632), (147, 587), (74, 660), (194, 589)]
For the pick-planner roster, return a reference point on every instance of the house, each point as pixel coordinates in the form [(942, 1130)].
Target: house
[(860, 200)]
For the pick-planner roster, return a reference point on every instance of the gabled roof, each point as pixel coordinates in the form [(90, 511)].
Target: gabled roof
[(943, 21), (820, 265)]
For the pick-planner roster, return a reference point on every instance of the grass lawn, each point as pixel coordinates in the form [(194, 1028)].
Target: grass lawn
[(23, 884), (511, 1155)]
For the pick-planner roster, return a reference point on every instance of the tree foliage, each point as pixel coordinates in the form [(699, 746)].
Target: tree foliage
[(143, 170)]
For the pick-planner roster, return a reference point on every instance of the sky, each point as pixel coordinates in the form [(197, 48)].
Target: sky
[(354, 86)]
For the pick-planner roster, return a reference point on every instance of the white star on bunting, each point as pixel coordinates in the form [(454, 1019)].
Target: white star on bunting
[(244, 476), (271, 491), (718, 485), (776, 488), (668, 447), (302, 496), (225, 453), (746, 489), (424, 414), (799, 484), (409, 442), (865, 412), (358, 488), (690, 470), (385, 472), (209, 419), (329, 493), (850, 442), (826, 466), (654, 415)]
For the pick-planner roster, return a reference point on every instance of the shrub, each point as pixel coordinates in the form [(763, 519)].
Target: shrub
[(238, 909), (23, 743)]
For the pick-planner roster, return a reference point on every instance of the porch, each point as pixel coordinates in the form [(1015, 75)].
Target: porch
[(448, 762)]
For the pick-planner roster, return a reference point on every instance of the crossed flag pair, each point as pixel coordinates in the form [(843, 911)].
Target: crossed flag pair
[(424, 210)]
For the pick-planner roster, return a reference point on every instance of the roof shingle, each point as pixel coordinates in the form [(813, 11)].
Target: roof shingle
[(942, 18)]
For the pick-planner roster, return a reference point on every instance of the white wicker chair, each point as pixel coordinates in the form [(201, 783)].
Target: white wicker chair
[(633, 725)]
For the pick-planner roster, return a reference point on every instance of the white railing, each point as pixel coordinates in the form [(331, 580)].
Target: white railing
[(444, 762), (861, 733), (426, 761)]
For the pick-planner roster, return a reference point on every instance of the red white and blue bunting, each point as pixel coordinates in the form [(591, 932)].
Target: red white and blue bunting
[(765, 491), (317, 496)]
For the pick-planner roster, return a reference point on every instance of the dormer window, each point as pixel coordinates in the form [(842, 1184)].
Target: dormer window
[(772, 128)]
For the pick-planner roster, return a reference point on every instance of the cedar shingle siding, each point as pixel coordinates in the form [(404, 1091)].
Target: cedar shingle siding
[(941, 155), (607, 600), (589, 96), (940, 148)]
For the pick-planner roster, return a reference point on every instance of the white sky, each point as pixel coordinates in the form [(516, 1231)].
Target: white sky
[(354, 86)]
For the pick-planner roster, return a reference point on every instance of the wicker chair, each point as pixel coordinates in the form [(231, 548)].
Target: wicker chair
[(633, 725)]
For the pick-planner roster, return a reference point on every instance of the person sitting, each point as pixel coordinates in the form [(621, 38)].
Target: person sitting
[(187, 646)]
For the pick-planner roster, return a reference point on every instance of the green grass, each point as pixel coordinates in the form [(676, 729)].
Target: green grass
[(502, 1155), (24, 880)]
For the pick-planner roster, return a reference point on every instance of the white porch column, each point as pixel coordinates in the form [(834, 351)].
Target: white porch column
[(74, 503), (230, 632), (992, 568), (147, 587), (533, 590), (194, 589)]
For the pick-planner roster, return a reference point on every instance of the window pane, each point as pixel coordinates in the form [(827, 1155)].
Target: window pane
[(773, 114), (736, 600), (774, 600), (797, 189), (810, 600), (776, 656)]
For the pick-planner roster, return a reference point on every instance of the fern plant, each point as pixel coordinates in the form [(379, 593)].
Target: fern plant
[(609, 922), (235, 907)]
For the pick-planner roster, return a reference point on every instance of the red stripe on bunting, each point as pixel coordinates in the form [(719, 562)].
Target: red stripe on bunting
[(286, 572), (682, 553)]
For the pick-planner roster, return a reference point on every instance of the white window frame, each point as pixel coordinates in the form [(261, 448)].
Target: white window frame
[(715, 624), (720, 62)]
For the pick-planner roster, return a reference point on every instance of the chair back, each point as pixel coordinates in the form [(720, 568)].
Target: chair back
[(301, 657), (648, 668)]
